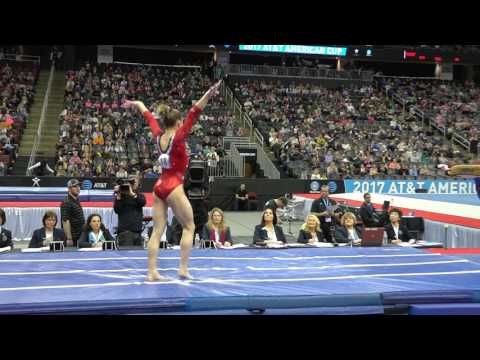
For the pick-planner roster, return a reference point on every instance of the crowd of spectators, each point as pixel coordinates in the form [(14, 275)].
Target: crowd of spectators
[(17, 91), (349, 132), (453, 106), (98, 137)]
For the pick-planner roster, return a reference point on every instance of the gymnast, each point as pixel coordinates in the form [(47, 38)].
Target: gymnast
[(168, 190)]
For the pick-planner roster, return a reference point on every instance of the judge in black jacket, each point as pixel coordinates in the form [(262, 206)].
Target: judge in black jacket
[(94, 233), (310, 232), (349, 231), (5, 235), (396, 232), (48, 233), (268, 232)]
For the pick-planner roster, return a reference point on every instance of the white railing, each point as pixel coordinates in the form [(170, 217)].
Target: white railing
[(258, 137), (407, 77), (228, 140), (269, 169), (296, 72), (15, 57), (237, 160), (225, 167), (462, 141), (263, 160), (158, 65), (431, 123), (38, 136)]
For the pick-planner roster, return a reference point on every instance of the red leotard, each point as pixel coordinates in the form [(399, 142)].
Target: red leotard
[(173, 177)]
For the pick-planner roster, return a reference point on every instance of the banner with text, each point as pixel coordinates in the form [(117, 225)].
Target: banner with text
[(460, 187)]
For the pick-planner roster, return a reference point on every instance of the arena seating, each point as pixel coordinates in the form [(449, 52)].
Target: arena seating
[(100, 138), (17, 90), (346, 132), (452, 105)]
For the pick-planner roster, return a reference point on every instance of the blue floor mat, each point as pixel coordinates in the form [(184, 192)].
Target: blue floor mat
[(445, 309), (233, 279)]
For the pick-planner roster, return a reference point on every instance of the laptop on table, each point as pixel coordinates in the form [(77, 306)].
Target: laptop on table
[(372, 236)]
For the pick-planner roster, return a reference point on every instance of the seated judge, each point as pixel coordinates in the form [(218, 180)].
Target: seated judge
[(397, 232), (44, 236), (349, 231), (310, 232), (268, 232), (94, 233), (216, 230), (5, 235)]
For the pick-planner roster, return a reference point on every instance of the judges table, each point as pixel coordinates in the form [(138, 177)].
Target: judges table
[(23, 221), (418, 245)]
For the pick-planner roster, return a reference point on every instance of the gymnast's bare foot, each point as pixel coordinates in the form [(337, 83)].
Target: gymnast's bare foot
[(184, 275), (155, 276)]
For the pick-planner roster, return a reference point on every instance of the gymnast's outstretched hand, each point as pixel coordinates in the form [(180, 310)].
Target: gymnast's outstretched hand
[(128, 104)]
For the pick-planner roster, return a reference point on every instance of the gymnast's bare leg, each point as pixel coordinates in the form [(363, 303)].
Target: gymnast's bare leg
[(472, 170), (159, 215), (182, 209)]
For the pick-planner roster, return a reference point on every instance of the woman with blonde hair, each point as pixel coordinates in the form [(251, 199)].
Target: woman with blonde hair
[(310, 232), (216, 230), (349, 231)]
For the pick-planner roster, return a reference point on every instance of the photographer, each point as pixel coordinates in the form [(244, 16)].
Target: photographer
[(128, 205)]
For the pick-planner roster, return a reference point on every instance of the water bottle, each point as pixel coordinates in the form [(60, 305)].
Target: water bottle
[(197, 240), (145, 241)]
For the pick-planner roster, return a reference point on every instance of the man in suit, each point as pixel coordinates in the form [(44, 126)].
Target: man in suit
[(5, 235), (368, 214), (44, 236)]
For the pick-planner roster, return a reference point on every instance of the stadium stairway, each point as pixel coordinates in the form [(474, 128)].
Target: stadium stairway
[(34, 116), (46, 148)]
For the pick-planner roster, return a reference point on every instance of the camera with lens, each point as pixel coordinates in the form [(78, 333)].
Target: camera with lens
[(124, 185)]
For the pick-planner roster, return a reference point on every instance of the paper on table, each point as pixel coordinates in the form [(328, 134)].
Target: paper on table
[(35, 250), (90, 249), (235, 246), (278, 245), (297, 245), (429, 243), (5, 249), (406, 244), (322, 244)]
